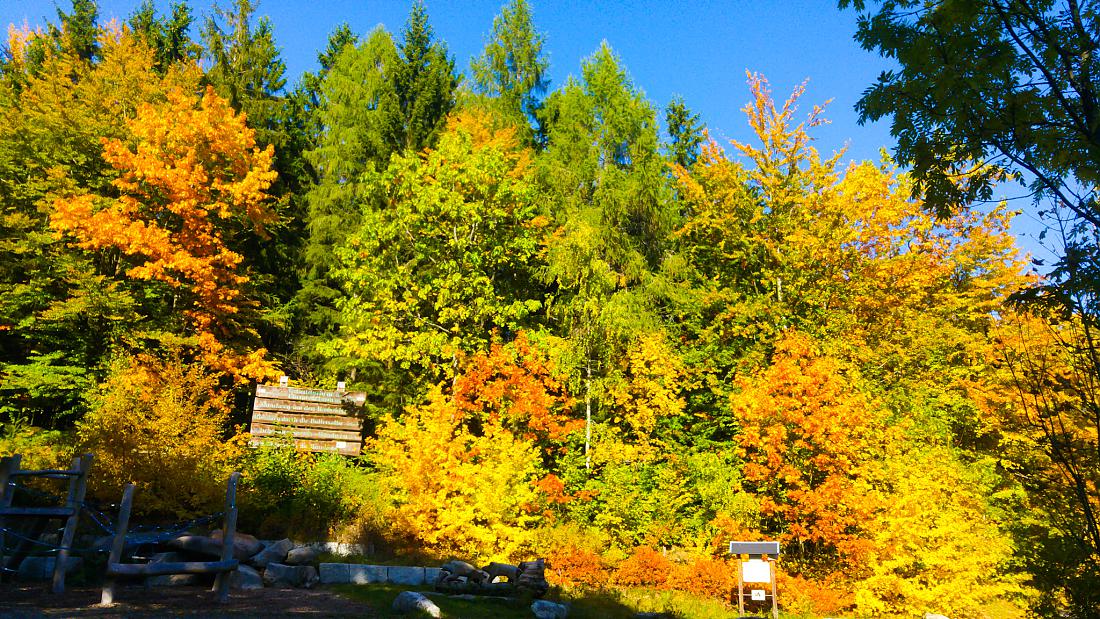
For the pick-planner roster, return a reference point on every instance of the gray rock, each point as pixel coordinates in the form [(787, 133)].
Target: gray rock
[(367, 574), (401, 575), (245, 577), (244, 545), (544, 609), (413, 602), (290, 576), (431, 575), (302, 555), (335, 573), (172, 580), (166, 557), (41, 568), (274, 552), (209, 546)]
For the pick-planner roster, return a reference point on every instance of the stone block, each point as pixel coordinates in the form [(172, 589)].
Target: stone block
[(405, 575), (274, 552), (367, 574), (335, 573), (302, 555), (244, 577), (431, 575)]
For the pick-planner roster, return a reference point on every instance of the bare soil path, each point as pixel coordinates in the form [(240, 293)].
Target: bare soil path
[(21, 600)]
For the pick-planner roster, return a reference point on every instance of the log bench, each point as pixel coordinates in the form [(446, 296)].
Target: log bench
[(223, 568)]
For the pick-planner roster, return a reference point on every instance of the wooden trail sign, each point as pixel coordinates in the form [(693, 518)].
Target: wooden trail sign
[(317, 420)]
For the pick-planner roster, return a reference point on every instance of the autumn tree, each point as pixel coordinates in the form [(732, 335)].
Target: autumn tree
[(445, 482), (62, 311), (189, 176)]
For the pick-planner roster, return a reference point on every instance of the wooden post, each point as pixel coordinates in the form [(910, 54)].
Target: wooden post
[(7, 466), (221, 583), (108, 596), (775, 576), (740, 586), (77, 485)]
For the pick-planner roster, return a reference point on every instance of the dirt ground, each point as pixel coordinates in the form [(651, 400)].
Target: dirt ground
[(21, 600)]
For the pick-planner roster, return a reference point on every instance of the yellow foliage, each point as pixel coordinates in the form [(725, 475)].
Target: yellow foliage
[(936, 548), (457, 492), (650, 389), (160, 424)]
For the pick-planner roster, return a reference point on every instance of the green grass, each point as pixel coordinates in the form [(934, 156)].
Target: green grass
[(604, 604)]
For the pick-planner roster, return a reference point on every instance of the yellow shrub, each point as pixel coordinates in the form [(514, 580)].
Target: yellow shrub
[(160, 424)]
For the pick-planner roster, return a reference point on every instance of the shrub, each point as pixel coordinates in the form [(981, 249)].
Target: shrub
[(286, 492), (572, 566), (645, 567), (705, 576), (160, 424)]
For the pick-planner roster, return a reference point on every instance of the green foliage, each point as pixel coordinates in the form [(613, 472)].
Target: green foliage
[(686, 133), (417, 301), (167, 36), (512, 68), (357, 110), (287, 492), (425, 83)]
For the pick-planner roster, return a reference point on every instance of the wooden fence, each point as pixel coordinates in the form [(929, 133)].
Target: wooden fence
[(317, 420)]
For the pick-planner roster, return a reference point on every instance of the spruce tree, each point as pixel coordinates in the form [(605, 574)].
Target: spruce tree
[(425, 82), (512, 67)]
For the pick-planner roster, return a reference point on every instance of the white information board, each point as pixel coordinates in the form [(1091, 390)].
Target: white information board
[(756, 570)]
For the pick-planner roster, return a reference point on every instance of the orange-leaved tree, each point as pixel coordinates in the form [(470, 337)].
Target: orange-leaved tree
[(189, 177), (806, 439)]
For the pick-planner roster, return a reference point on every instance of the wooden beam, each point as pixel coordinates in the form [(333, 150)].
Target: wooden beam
[(161, 569), (309, 421)]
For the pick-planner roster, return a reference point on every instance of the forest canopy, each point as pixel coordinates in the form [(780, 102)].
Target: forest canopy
[(652, 341)]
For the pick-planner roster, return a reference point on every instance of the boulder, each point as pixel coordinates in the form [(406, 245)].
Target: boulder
[(501, 570), (41, 568), (245, 577), (549, 610), (290, 576), (275, 552), (461, 568), (302, 555), (413, 602), (244, 545)]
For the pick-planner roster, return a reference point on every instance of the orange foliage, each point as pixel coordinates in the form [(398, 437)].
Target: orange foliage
[(708, 577), (816, 598), (571, 566), (646, 567), (519, 385), (190, 175), (805, 434)]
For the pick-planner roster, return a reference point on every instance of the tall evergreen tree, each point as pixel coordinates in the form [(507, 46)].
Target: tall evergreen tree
[(78, 31), (603, 176), (246, 69), (425, 82), (357, 112), (512, 67), (168, 36), (685, 132)]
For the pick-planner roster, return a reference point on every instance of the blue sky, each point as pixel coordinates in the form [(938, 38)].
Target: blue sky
[(698, 49)]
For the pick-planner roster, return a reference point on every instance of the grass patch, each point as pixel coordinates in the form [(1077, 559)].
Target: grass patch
[(593, 604)]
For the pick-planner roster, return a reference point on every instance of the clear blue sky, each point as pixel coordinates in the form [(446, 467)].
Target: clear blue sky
[(699, 49)]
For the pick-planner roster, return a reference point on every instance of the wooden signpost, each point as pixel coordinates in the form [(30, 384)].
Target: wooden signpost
[(317, 420), (756, 565)]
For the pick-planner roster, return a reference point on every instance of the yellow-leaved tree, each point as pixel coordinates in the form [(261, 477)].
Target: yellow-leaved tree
[(454, 491)]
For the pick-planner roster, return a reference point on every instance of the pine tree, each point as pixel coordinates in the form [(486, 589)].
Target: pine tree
[(357, 110), (685, 131), (512, 67), (425, 82)]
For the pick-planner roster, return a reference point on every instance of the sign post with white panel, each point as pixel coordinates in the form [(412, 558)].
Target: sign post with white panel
[(756, 566)]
